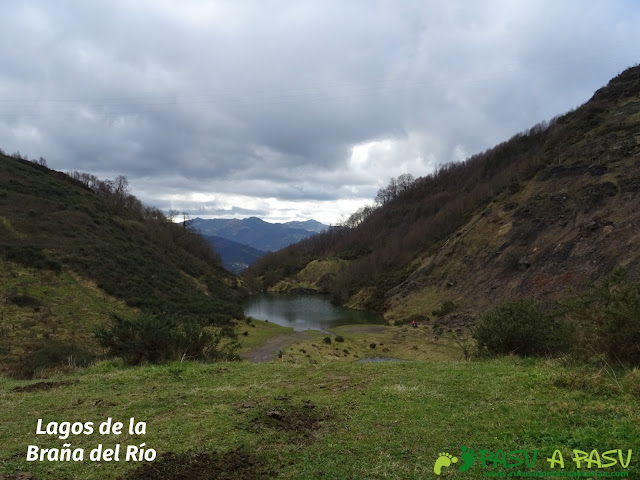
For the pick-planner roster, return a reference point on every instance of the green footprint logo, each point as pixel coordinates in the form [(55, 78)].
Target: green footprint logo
[(468, 457), (444, 460)]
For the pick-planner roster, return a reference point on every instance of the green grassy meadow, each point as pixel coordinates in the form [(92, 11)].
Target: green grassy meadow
[(305, 417)]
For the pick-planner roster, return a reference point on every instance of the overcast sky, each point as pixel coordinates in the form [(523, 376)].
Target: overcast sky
[(292, 109)]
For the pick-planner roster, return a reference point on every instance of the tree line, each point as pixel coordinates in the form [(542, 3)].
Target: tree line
[(123, 203)]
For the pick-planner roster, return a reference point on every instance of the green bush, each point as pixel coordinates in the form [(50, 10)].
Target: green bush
[(43, 355), (31, 256), (522, 328), (158, 338), (23, 300), (631, 382), (326, 339), (607, 319), (445, 309)]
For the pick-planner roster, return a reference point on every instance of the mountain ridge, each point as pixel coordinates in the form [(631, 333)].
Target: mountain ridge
[(256, 233)]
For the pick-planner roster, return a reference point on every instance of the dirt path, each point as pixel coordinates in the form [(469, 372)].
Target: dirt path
[(270, 349)]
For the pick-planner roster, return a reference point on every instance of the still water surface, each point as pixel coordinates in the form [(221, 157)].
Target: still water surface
[(305, 312)]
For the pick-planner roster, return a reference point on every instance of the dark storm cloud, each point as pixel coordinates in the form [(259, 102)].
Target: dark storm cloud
[(284, 109)]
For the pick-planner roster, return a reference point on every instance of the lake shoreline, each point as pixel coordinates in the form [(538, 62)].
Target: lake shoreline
[(306, 312)]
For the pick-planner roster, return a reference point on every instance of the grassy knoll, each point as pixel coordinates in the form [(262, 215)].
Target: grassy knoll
[(334, 420)]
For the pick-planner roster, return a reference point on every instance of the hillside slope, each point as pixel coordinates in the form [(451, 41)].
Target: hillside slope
[(235, 256), (69, 257), (549, 210), (571, 224)]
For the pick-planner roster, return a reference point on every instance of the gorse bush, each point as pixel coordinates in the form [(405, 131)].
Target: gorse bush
[(445, 309), (522, 328), (607, 319), (46, 354), (604, 323), (158, 338), (24, 300), (31, 256)]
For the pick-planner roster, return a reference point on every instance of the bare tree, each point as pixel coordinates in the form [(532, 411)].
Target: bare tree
[(359, 216), (185, 220), (405, 181), (172, 214), (394, 188), (120, 191)]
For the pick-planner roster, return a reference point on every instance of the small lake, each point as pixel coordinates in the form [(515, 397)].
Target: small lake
[(305, 312)]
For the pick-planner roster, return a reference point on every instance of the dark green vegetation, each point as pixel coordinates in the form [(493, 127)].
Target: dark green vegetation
[(133, 253), (159, 338), (540, 215), (60, 234), (333, 421), (602, 322), (606, 319), (522, 328)]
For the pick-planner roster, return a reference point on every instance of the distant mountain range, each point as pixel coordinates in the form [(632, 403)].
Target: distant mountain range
[(242, 242)]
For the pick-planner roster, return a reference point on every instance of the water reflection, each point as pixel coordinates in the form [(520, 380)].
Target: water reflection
[(304, 312)]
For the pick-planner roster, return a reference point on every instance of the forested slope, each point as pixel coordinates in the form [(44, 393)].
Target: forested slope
[(74, 249)]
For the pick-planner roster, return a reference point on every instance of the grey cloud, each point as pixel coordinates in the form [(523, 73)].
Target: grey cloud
[(212, 211), (267, 99)]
